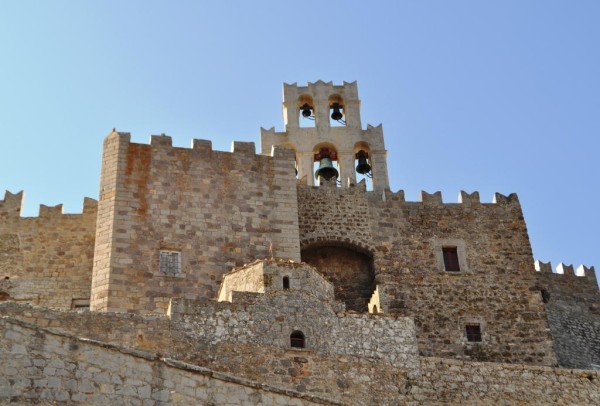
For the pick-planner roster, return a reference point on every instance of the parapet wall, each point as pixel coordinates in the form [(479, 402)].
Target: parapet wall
[(445, 381), (46, 260), (495, 285), (572, 303), (42, 365), (219, 209)]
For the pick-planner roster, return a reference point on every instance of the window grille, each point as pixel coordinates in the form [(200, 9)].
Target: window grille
[(473, 333), (451, 263), (170, 262)]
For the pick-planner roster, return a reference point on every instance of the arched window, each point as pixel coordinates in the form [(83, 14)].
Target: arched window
[(297, 339), (286, 282), (375, 309)]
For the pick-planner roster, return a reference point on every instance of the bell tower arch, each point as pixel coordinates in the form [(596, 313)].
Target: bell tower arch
[(335, 111)]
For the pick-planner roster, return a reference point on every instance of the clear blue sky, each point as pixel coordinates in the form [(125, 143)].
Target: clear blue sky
[(473, 95)]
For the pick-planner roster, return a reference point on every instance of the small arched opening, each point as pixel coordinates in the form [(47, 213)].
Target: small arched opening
[(286, 282), (297, 339), (375, 311)]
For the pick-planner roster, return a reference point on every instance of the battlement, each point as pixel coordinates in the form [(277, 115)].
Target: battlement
[(204, 147), (425, 198), (568, 270), (12, 203), (320, 88)]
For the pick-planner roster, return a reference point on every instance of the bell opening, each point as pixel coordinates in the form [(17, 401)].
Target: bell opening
[(326, 165), (336, 114), (363, 169)]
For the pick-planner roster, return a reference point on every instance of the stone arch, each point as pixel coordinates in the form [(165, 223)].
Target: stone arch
[(339, 241), (349, 267)]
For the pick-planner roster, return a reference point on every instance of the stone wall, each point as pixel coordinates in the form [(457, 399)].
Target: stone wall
[(496, 285), (143, 332), (50, 365), (41, 365), (573, 307), (446, 381), (271, 319), (342, 377), (46, 260), (219, 209), (268, 276)]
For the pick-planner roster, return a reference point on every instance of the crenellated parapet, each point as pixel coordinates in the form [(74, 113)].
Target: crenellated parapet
[(11, 205), (581, 272), (202, 149), (433, 199)]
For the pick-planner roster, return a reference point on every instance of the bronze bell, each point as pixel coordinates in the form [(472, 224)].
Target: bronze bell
[(306, 110), (326, 169), (337, 114), (363, 166)]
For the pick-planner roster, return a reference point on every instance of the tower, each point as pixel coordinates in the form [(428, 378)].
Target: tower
[(322, 121)]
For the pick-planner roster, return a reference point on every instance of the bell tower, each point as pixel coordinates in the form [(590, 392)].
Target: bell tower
[(322, 125)]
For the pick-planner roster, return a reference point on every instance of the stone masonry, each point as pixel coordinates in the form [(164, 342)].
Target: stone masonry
[(212, 277), (46, 260)]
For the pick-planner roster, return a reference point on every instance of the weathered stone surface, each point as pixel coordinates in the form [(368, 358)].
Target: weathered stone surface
[(573, 308), (218, 209), (104, 374), (208, 315), (46, 260), (495, 287)]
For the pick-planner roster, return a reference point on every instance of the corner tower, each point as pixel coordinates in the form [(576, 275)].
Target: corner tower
[(322, 122)]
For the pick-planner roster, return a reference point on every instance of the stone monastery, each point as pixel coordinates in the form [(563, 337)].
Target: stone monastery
[(210, 277)]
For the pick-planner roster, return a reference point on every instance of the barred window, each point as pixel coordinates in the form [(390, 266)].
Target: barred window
[(473, 333), (170, 262)]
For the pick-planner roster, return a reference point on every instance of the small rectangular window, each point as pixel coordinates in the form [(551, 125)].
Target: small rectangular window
[(473, 333), (80, 303), (170, 262), (451, 259)]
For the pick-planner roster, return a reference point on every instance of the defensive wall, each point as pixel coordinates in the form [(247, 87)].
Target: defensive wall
[(404, 240), (53, 365), (46, 260), (218, 209), (572, 302), (41, 365), (222, 209)]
